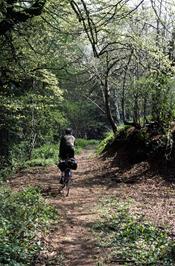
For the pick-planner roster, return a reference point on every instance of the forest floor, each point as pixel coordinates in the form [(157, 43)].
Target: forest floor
[(70, 242)]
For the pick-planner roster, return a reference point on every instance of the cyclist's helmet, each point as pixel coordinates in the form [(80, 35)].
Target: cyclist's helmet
[(68, 131)]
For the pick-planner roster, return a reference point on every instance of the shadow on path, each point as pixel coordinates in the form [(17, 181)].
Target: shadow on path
[(72, 236)]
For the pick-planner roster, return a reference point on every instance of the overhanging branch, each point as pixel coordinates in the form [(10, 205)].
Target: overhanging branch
[(13, 17)]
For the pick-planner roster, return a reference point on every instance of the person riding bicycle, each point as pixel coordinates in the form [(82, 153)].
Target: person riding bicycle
[(67, 145), (66, 152)]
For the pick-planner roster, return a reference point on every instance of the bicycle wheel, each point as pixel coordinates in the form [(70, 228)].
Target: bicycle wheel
[(67, 179)]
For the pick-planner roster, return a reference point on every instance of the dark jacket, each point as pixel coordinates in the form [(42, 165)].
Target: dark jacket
[(67, 147)]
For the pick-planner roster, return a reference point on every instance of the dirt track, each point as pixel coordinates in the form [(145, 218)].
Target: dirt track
[(71, 237)]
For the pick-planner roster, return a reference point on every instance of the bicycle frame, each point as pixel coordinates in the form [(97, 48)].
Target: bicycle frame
[(67, 174)]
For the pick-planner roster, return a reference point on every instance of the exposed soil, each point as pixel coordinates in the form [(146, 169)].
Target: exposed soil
[(71, 241)]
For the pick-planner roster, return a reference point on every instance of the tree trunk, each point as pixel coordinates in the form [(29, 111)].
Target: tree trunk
[(117, 111), (145, 109), (136, 115), (107, 105), (123, 105)]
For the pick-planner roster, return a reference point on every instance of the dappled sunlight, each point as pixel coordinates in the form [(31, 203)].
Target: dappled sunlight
[(95, 179)]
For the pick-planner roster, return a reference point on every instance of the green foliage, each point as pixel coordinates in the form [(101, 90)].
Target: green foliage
[(5, 172), (40, 162), (83, 116), (161, 89), (44, 156), (83, 143), (23, 216), (48, 153), (19, 155), (130, 238), (109, 138), (106, 141)]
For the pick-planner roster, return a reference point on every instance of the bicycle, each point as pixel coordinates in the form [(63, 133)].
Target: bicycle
[(66, 166), (66, 179)]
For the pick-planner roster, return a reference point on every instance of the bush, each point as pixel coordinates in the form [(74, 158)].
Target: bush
[(139, 144), (44, 156), (4, 173), (23, 215), (131, 239), (47, 151), (48, 154), (105, 142), (19, 153)]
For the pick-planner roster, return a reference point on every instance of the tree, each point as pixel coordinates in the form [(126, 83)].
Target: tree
[(124, 40), (14, 12)]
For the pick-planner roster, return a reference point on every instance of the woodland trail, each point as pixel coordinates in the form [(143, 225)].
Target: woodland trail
[(71, 241), (72, 236)]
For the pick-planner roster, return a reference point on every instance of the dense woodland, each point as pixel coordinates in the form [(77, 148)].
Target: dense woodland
[(91, 65), (96, 66)]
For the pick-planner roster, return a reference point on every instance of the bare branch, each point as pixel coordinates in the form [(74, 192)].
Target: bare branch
[(88, 98)]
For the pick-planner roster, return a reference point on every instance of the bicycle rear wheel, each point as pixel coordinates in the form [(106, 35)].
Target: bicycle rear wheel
[(68, 175), (66, 180)]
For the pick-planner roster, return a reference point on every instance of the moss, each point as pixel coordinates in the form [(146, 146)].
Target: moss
[(138, 144), (105, 143)]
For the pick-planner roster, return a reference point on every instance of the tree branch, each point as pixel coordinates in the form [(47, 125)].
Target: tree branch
[(13, 17)]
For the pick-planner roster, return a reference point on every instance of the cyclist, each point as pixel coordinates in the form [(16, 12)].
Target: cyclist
[(67, 145), (66, 152)]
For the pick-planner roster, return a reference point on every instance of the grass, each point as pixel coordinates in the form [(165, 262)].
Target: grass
[(84, 143), (107, 140), (45, 155), (24, 215), (130, 238), (48, 154)]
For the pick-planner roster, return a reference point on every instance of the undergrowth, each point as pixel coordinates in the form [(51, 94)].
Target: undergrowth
[(24, 215), (130, 238), (41, 156), (48, 154), (107, 140), (83, 143), (44, 156)]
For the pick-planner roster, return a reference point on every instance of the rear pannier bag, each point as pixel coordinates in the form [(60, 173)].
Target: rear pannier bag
[(70, 163), (62, 166)]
